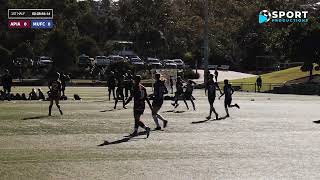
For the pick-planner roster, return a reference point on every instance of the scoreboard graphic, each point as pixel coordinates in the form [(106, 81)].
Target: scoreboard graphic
[(30, 18)]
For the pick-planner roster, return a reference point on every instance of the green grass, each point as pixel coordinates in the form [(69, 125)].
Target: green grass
[(270, 80)]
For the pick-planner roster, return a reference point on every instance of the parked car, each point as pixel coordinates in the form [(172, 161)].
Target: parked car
[(180, 63), (115, 58), (102, 61), (43, 61), (169, 64), (154, 63), (85, 61), (137, 62)]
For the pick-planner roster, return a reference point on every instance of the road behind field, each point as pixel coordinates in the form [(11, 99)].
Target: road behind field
[(270, 137)]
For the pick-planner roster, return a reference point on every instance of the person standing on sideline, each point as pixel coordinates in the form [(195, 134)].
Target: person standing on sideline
[(111, 83), (139, 97), (179, 92), (228, 91), (159, 90), (189, 91), (171, 84), (216, 74), (210, 90), (259, 83), (7, 84), (55, 92)]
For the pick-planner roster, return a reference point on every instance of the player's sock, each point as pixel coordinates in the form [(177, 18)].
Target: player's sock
[(155, 119), (147, 131), (165, 122)]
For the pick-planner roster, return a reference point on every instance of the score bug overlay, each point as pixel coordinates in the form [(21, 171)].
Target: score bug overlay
[(30, 18)]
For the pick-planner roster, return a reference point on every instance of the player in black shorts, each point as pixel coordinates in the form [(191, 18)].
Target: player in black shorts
[(210, 90), (119, 92), (159, 89), (55, 93), (189, 91), (228, 91), (139, 97), (111, 83), (179, 92)]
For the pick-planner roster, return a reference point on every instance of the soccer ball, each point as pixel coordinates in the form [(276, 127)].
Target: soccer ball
[(266, 14)]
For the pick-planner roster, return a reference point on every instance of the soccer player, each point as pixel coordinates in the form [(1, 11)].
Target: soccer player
[(55, 93), (171, 84), (7, 84), (228, 91), (128, 84), (158, 92), (179, 92), (64, 79), (139, 97), (111, 84), (119, 92), (189, 91), (210, 90)]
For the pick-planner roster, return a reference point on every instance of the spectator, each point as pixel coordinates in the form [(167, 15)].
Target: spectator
[(259, 83)]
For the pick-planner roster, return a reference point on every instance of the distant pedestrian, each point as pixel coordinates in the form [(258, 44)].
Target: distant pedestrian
[(139, 97), (228, 92), (7, 84), (259, 83), (179, 93), (210, 91), (158, 92), (55, 93), (111, 83), (216, 74)]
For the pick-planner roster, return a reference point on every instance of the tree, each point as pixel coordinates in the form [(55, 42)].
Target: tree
[(5, 57), (88, 46), (62, 50)]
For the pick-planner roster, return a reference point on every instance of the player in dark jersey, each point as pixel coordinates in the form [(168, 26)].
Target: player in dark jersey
[(111, 83), (119, 92), (216, 74), (228, 91), (189, 91), (55, 93), (159, 89), (128, 84), (139, 97), (210, 90), (64, 79), (171, 84), (179, 92)]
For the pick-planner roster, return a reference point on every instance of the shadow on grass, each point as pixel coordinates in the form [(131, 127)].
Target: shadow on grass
[(316, 122), (173, 111), (36, 117), (124, 139), (204, 121), (108, 110)]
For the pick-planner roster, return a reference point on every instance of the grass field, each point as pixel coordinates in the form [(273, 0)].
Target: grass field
[(270, 137), (273, 78)]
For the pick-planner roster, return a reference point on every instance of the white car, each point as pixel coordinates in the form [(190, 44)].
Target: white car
[(102, 61), (44, 61), (180, 63), (169, 64), (154, 63)]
